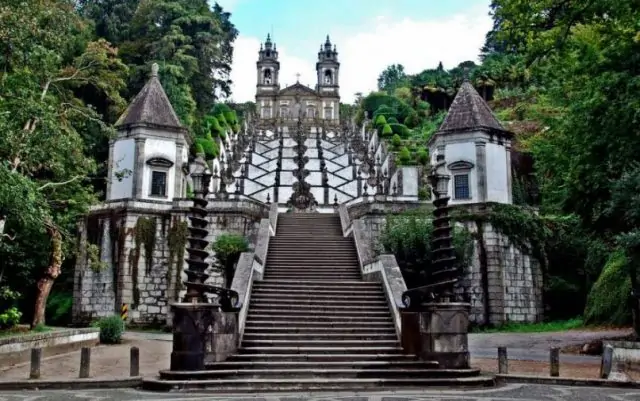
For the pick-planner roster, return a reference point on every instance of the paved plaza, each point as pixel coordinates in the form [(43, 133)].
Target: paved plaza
[(523, 392)]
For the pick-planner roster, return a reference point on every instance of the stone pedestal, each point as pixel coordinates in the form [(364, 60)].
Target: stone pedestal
[(438, 332), (201, 333), (223, 338)]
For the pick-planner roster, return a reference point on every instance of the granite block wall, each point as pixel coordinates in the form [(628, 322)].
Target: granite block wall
[(126, 275), (502, 283)]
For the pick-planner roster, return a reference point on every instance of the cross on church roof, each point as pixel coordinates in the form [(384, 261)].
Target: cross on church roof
[(298, 77)]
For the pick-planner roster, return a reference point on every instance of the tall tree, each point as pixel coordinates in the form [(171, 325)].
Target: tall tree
[(45, 124)]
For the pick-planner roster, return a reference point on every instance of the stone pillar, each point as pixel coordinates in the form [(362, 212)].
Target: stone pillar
[(178, 174), (438, 332), (507, 147), (138, 168), (481, 170), (110, 167), (202, 333)]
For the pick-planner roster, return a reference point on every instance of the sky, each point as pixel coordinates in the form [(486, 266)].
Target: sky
[(369, 35)]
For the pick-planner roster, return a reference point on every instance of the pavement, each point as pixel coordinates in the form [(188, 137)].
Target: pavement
[(524, 392), (520, 346)]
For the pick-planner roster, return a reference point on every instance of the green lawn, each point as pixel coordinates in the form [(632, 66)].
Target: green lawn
[(544, 327)]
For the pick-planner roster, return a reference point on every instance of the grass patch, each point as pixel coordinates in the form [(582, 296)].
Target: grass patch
[(543, 327), (22, 330)]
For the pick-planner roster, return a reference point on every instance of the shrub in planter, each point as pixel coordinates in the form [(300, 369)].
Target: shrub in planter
[(111, 329)]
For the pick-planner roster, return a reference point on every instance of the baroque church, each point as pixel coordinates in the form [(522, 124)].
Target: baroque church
[(298, 100)]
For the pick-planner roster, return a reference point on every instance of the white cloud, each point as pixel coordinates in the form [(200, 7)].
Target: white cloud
[(416, 44)]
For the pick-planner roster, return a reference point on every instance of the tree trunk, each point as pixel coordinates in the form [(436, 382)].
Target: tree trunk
[(48, 277)]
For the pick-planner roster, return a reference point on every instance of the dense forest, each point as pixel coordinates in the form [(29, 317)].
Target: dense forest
[(67, 71), (563, 76)]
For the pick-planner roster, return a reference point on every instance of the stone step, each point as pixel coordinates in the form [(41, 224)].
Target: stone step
[(319, 298), (318, 311), (308, 344), (377, 307), (343, 365), (325, 304), (321, 358), (313, 384), (310, 276), (318, 292), (319, 317), (326, 351), (319, 267), (253, 329), (260, 321), (332, 283), (310, 259), (312, 269), (328, 253), (252, 336), (310, 373), (306, 238)]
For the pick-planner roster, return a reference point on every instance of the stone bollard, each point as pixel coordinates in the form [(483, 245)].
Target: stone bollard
[(85, 362), (503, 362), (554, 362), (36, 358), (607, 361), (134, 361)]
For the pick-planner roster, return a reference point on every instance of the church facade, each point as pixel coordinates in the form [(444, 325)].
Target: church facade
[(298, 100)]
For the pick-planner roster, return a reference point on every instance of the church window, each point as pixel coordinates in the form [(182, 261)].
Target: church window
[(461, 186), (328, 77), (158, 183), (267, 77)]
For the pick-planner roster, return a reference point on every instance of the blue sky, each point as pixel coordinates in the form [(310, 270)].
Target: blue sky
[(369, 35)]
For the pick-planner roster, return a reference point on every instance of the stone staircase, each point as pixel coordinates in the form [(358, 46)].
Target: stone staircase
[(314, 324)]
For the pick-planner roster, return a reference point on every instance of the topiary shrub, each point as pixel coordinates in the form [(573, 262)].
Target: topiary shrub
[(396, 142), (400, 129), (380, 121), (228, 248), (386, 131), (111, 329), (423, 157), (392, 120), (404, 156), (608, 300)]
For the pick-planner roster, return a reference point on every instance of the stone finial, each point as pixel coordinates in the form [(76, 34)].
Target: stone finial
[(154, 69)]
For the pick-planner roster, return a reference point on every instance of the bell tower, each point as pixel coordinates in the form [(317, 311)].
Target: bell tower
[(328, 71), (268, 71)]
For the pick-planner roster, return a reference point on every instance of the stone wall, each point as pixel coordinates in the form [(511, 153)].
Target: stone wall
[(499, 271), (126, 276)]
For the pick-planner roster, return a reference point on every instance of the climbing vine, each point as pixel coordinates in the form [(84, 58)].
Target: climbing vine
[(176, 242), (523, 226), (145, 235), (93, 258)]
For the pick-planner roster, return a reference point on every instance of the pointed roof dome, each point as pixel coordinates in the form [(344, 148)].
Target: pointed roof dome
[(470, 112), (151, 107)]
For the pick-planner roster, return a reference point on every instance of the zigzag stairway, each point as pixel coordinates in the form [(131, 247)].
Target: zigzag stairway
[(314, 324)]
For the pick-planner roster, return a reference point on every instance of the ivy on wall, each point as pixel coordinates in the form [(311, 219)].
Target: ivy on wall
[(177, 242), (144, 234)]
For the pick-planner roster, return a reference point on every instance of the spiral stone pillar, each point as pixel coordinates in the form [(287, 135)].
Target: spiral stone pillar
[(433, 326), (196, 322)]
